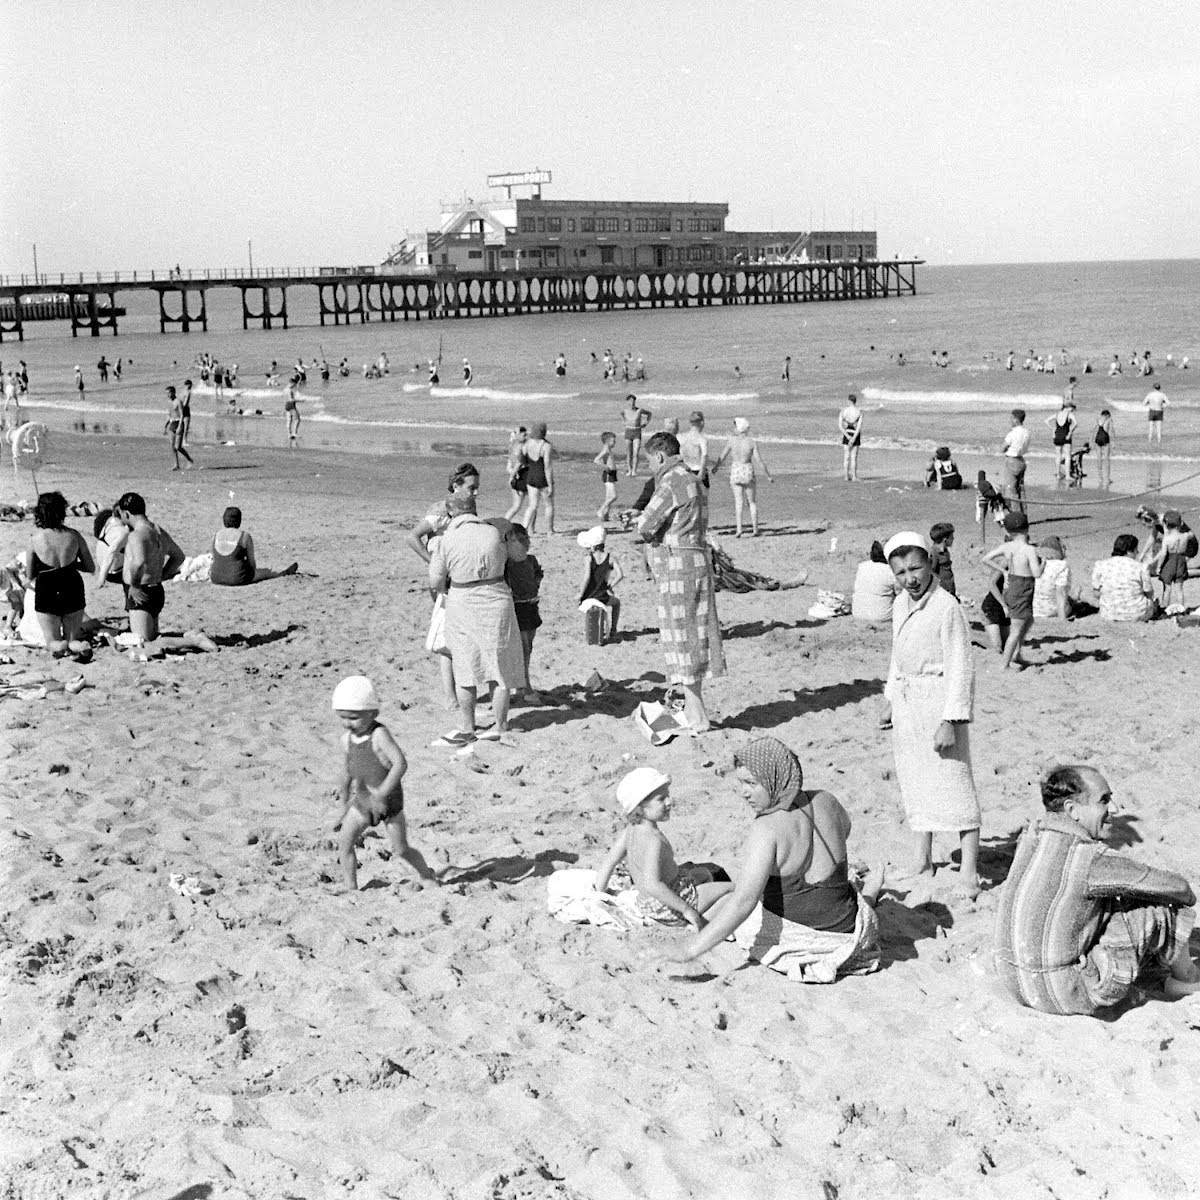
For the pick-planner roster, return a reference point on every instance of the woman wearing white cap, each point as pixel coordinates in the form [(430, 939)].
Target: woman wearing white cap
[(743, 455), (930, 688)]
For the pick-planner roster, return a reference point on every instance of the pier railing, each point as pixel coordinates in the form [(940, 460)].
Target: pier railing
[(52, 279)]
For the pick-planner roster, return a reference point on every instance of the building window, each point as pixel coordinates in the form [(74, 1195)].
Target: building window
[(474, 253), (583, 253), (606, 254), (587, 224), (506, 254), (541, 224), (527, 225), (554, 224), (613, 225), (679, 225), (628, 225), (693, 224), (570, 224), (641, 225)]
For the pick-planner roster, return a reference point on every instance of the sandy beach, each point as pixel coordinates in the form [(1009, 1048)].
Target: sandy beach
[(272, 1036)]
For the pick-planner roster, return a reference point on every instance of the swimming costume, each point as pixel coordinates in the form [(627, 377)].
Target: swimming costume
[(57, 591), (608, 475), (741, 474), (366, 769), (684, 887), (1155, 414), (232, 569), (1062, 432), (830, 905), (633, 433), (992, 611), (139, 598), (535, 477), (1174, 569), (1018, 596)]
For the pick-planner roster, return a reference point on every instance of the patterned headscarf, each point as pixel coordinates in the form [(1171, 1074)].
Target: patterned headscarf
[(775, 767)]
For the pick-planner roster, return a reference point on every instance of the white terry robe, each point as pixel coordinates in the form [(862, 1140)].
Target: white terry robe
[(932, 679)]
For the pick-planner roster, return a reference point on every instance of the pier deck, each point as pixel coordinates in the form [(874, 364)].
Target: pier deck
[(364, 294)]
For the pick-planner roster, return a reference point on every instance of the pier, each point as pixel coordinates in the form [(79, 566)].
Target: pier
[(365, 294)]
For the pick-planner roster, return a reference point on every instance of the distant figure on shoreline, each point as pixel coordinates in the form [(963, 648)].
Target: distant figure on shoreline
[(1155, 402), (743, 454), (850, 427), (560, 365), (787, 369), (1016, 442), (634, 420), (174, 427), (468, 374)]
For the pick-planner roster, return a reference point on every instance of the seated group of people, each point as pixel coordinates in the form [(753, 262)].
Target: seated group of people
[(1079, 928), (45, 586)]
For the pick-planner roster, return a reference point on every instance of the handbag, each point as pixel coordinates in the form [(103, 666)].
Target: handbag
[(658, 722), (435, 639)]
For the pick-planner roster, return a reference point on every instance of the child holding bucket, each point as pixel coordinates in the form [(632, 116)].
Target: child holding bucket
[(597, 600)]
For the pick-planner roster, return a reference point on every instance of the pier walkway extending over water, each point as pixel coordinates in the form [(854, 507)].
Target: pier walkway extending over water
[(366, 294)]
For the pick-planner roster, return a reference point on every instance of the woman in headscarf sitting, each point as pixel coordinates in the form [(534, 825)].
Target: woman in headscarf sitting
[(794, 907)]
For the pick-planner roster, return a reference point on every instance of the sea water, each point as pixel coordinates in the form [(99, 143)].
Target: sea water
[(724, 361)]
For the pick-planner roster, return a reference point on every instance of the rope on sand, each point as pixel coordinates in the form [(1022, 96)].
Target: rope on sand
[(1114, 499)]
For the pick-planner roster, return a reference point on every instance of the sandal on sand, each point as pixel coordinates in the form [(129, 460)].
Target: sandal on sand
[(454, 739), (488, 735)]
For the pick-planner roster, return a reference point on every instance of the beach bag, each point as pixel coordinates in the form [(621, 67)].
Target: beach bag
[(659, 723), (435, 639), (596, 616)]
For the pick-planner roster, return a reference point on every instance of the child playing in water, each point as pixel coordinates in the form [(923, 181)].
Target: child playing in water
[(523, 574), (665, 893), (371, 788), (607, 463), (1024, 565)]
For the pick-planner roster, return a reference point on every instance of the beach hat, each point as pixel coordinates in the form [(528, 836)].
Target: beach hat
[(356, 693), (907, 539), (589, 539), (639, 784), (1016, 522), (741, 424)]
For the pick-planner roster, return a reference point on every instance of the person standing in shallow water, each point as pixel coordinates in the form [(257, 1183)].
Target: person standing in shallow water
[(850, 427), (175, 428)]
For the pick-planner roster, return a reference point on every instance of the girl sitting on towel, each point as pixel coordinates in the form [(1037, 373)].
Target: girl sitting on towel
[(666, 893)]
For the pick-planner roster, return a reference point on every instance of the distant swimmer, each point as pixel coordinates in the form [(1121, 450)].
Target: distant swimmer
[(102, 367), (434, 377), (1114, 367), (640, 369), (468, 374), (79, 381), (560, 364), (787, 369), (1008, 361), (344, 368)]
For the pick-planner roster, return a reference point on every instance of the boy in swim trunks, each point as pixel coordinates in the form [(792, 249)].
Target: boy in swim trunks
[(371, 788), (634, 420), (1023, 565), (665, 893)]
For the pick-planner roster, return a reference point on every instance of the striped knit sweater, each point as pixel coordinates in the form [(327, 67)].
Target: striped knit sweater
[(1062, 885)]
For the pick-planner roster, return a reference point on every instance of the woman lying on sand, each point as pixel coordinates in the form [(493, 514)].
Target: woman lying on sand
[(794, 908)]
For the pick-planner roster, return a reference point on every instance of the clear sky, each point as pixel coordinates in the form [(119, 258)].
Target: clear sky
[(143, 134)]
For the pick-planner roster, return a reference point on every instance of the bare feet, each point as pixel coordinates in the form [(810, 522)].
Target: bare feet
[(872, 884)]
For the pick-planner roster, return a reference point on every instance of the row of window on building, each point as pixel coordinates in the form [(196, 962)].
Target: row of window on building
[(628, 225)]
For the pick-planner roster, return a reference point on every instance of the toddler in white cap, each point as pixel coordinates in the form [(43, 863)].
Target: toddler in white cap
[(601, 574), (666, 893), (371, 788)]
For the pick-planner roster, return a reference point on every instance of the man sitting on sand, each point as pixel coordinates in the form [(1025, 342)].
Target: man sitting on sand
[(233, 562), (1079, 924), (151, 556)]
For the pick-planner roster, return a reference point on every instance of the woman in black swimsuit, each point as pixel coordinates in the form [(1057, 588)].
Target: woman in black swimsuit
[(56, 557), (539, 478), (802, 913)]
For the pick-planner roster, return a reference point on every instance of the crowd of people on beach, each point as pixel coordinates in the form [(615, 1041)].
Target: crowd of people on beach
[(1079, 925)]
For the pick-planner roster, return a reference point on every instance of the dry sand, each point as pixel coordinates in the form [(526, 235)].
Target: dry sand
[(276, 1037)]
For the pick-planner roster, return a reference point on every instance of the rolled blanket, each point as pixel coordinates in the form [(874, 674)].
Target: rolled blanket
[(807, 955)]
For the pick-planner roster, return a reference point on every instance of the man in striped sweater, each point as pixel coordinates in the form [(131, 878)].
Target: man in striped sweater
[(1080, 924)]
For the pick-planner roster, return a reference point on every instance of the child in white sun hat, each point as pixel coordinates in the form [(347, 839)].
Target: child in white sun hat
[(371, 788), (666, 893)]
